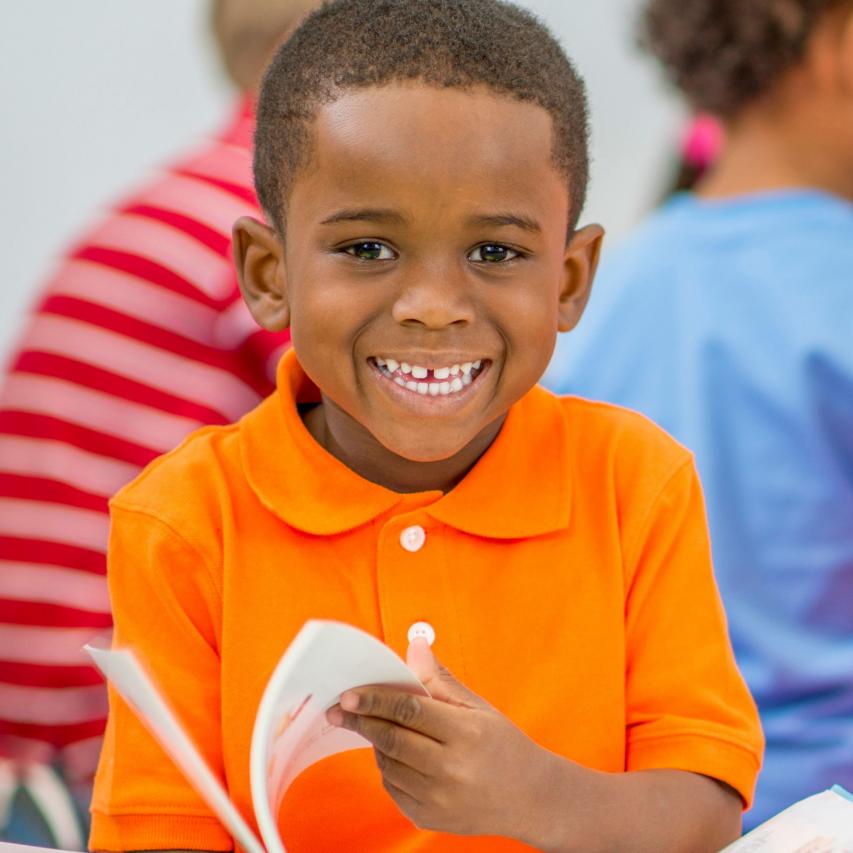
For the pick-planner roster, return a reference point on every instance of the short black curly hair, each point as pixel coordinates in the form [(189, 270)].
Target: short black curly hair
[(723, 54), (354, 44)]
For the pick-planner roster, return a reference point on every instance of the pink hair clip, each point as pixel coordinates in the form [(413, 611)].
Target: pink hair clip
[(702, 141)]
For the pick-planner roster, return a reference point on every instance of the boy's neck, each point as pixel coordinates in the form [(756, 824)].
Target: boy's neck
[(352, 444)]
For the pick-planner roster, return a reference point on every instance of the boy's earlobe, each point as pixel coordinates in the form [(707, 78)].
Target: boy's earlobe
[(581, 261), (259, 259)]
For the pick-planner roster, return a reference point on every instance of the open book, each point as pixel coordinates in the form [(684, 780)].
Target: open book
[(291, 733), (822, 823)]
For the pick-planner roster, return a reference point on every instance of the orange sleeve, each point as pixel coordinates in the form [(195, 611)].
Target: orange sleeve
[(164, 605), (688, 707)]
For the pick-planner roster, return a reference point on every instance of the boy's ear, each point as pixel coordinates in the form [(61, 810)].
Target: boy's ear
[(259, 259), (579, 267)]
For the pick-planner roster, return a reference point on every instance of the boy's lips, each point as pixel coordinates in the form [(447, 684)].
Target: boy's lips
[(438, 384)]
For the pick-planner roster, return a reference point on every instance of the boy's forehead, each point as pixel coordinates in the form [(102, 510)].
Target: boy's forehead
[(448, 139)]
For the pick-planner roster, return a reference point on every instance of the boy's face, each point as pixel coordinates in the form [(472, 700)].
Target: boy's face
[(425, 271)]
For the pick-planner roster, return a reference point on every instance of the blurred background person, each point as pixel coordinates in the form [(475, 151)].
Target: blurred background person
[(139, 337), (728, 318)]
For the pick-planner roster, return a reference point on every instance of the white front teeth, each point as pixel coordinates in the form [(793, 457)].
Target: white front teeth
[(436, 389), (435, 382)]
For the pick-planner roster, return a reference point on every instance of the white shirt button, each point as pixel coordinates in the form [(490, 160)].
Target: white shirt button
[(413, 538), (421, 629)]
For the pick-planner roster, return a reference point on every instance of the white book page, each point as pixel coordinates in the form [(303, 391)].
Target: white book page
[(819, 824), (291, 733), (124, 672)]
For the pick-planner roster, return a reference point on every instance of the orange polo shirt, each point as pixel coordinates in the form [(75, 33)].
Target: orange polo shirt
[(567, 579)]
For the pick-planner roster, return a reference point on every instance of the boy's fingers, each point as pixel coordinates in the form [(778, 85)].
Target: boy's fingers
[(418, 713), (421, 660), (395, 742), (439, 680), (405, 801), (401, 776)]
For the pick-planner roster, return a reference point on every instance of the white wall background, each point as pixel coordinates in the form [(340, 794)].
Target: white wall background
[(95, 93)]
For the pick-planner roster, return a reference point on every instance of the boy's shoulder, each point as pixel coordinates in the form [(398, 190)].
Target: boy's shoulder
[(628, 475), (620, 443), (180, 483)]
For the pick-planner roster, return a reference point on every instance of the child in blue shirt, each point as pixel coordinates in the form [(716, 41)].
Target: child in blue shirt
[(727, 319)]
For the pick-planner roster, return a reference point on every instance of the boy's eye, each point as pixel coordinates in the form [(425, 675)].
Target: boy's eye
[(492, 253), (370, 250)]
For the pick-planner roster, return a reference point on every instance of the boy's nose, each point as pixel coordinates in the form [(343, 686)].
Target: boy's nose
[(435, 300)]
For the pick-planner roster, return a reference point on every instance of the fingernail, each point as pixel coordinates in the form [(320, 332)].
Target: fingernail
[(335, 716), (349, 701)]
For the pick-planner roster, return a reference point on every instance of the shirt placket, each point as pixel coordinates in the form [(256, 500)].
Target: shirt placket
[(414, 595)]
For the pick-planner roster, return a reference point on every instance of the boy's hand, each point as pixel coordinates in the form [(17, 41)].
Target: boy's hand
[(452, 762)]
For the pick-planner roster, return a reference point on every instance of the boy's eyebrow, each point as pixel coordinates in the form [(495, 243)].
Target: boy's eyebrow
[(367, 214), (392, 217), (516, 219)]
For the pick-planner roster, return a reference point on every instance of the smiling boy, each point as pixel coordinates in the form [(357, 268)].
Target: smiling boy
[(423, 164)]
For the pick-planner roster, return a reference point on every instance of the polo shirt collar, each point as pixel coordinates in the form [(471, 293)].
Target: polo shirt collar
[(519, 488)]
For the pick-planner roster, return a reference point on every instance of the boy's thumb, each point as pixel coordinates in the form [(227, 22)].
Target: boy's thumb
[(440, 682)]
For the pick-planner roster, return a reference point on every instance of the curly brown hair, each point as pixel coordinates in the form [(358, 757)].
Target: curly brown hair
[(353, 44), (722, 54)]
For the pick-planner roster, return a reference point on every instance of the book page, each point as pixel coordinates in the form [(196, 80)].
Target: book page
[(134, 685), (819, 824), (291, 733)]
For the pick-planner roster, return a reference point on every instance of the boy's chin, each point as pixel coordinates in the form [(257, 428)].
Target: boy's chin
[(424, 452)]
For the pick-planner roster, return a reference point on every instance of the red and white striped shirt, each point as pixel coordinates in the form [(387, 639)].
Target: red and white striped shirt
[(139, 338)]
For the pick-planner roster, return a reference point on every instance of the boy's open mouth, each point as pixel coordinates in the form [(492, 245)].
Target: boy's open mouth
[(430, 381)]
